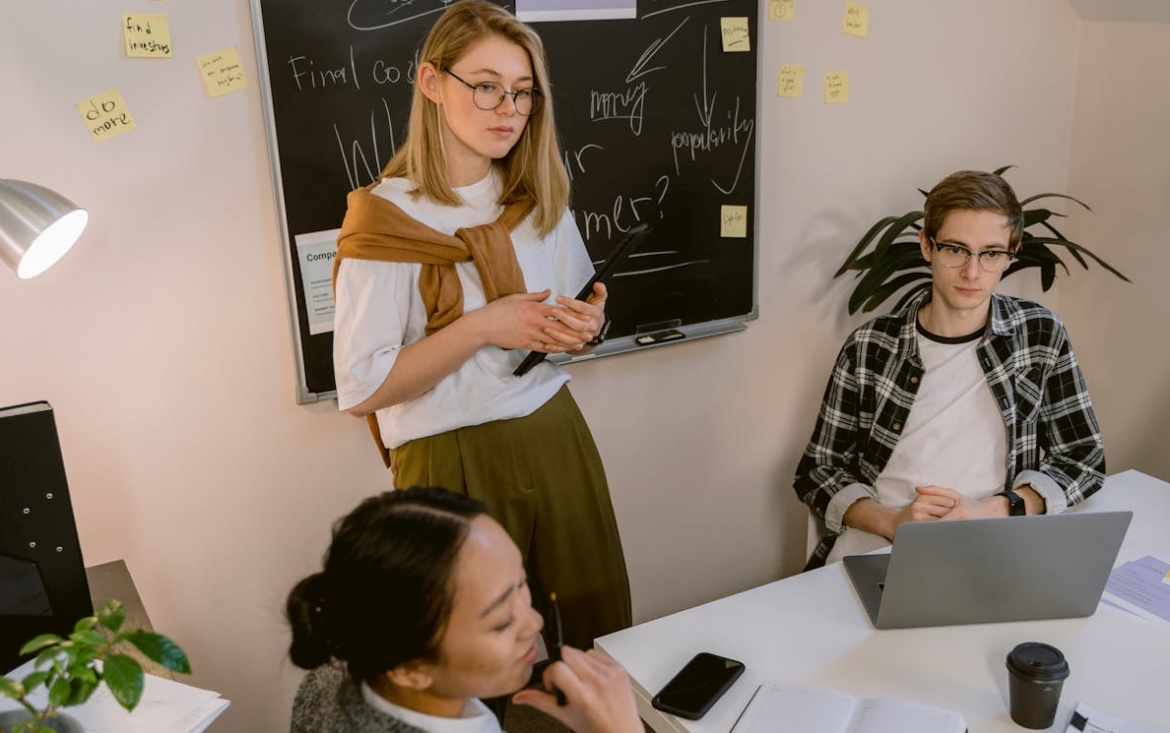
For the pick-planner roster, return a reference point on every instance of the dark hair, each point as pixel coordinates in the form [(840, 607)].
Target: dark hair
[(384, 595), (974, 191)]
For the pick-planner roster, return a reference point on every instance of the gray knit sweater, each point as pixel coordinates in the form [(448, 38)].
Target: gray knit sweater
[(329, 701)]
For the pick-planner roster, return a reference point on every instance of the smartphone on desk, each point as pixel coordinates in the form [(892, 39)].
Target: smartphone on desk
[(698, 685)]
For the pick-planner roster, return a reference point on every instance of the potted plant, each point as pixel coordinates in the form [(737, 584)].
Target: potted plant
[(70, 669), (895, 260)]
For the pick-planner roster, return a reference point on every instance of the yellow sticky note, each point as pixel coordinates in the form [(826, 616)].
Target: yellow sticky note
[(791, 81), (856, 21), (781, 9), (106, 115), (836, 87), (733, 221), (736, 34), (221, 72), (148, 35)]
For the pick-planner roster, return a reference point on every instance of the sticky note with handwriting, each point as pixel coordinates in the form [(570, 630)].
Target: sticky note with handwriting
[(221, 72), (148, 35), (856, 22), (106, 115), (781, 9), (836, 87), (736, 34), (791, 81), (733, 221)]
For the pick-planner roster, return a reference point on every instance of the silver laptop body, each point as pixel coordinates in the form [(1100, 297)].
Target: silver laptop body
[(990, 570)]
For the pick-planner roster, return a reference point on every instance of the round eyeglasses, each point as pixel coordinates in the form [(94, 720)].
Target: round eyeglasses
[(488, 95), (956, 255)]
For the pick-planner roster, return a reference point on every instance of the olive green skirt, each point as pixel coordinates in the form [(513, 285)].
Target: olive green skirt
[(541, 477)]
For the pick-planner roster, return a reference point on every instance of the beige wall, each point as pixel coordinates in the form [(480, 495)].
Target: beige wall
[(1120, 165), (163, 343)]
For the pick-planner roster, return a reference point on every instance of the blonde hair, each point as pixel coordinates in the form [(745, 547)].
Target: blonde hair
[(533, 167)]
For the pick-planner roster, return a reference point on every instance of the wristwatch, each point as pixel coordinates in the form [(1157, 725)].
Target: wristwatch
[(1015, 503), (600, 337)]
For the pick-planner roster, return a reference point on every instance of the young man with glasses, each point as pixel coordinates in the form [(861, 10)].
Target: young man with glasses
[(965, 403)]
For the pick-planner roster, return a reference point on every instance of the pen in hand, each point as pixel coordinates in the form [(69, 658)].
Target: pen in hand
[(557, 640)]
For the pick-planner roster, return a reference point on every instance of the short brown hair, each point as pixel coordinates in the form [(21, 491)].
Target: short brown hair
[(974, 191), (533, 167)]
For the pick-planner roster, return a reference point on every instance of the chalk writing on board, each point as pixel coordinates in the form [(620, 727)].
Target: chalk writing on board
[(578, 158), (639, 68), (372, 164), (716, 132), (373, 15)]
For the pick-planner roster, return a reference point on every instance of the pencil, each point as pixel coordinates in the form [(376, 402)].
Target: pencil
[(557, 641)]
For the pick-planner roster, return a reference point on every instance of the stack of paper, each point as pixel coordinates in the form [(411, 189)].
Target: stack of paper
[(166, 707), (1088, 720), (1141, 587)]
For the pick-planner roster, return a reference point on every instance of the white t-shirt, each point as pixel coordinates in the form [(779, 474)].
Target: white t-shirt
[(954, 437), (476, 717), (379, 310)]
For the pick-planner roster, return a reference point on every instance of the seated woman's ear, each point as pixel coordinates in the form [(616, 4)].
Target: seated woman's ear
[(414, 675)]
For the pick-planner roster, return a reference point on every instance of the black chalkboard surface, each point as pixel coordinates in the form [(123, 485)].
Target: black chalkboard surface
[(657, 123)]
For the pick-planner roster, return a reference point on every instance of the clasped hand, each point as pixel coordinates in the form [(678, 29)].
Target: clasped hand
[(526, 321), (597, 691)]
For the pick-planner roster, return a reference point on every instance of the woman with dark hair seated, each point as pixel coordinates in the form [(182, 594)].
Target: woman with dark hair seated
[(424, 600)]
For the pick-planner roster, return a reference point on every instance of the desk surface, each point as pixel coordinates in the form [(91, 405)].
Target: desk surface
[(811, 629)]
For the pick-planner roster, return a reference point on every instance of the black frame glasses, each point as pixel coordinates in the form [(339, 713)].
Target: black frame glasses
[(1002, 258), (483, 92)]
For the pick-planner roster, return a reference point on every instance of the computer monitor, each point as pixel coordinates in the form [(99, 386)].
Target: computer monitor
[(43, 588)]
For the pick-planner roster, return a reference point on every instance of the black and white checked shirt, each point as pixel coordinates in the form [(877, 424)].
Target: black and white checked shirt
[(1053, 440)]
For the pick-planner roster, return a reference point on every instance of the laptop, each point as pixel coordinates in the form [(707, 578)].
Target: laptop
[(979, 571)]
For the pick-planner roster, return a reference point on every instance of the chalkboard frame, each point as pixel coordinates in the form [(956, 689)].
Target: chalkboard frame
[(646, 333)]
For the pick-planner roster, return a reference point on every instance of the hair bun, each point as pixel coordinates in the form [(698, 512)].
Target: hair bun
[(305, 611)]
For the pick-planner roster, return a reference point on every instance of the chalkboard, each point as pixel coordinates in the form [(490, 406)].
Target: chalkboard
[(656, 121)]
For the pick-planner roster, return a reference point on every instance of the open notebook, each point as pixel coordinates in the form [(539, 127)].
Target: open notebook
[(780, 708)]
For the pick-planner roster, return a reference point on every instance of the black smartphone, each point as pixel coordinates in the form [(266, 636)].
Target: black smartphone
[(698, 685)]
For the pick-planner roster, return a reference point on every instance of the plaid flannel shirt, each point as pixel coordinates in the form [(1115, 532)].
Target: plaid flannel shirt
[(1053, 441)]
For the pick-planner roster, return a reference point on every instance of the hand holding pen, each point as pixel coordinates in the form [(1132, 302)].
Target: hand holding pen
[(597, 690)]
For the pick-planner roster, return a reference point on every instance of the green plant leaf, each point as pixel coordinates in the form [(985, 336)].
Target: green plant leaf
[(35, 679), (1005, 169), (159, 648), (111, 614), (46, 656), (1039, 196), (59, 692), (85, 624), (857, 250), (124, 677), (1074, 247), (902, 258), (885, 291), (12, 688), (88, 638), (895, 230), (80, 690), (1032, 217), (40, 642)]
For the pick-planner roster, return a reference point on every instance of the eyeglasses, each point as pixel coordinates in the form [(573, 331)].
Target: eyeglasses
[(956, 255), (488, 95)]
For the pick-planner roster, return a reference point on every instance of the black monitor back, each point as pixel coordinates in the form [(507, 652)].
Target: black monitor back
[(42, 575)]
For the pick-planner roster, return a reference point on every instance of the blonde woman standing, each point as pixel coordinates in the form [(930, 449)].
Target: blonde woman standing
[(449, 270)]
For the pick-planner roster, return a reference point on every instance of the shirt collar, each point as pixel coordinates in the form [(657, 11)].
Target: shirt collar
[(477, 718)]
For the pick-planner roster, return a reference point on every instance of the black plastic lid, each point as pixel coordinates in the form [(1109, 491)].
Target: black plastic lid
[(1038, 661)]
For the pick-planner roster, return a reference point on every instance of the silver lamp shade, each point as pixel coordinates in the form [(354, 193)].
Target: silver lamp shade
[(37, 226)]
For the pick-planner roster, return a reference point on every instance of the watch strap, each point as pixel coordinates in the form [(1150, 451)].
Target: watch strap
[(1016, 506)]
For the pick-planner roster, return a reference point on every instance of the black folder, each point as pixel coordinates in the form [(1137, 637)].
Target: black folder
[(618, 254)]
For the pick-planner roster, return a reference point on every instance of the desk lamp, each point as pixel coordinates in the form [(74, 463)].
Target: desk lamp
[(37, 226)]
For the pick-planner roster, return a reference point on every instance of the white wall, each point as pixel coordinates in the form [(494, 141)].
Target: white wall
[(1121, 167), (162, 340)]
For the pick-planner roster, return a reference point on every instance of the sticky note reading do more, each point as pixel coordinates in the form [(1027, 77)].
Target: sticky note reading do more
[(148, 35), (106, 115), (221, 72), (733, 221), (736, 34), (836, 87)]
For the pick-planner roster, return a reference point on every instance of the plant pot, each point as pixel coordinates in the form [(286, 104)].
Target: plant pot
[(61, 722)]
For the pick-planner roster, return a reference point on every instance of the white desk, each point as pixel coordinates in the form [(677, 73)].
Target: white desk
[(811, 629)]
